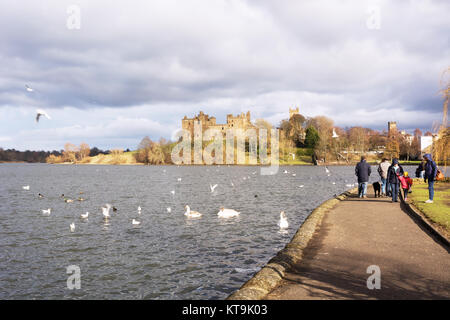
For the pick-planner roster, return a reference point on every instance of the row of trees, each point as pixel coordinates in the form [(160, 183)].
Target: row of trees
[(12, 155), (151, 152), (316, 133), (73, 153)]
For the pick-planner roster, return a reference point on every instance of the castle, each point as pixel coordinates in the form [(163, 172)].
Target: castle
[(241, 121)]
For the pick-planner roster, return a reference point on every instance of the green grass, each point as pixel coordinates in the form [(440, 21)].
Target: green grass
[(439, 210)]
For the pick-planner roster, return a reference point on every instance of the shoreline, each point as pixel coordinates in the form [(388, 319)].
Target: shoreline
[(266, 279)]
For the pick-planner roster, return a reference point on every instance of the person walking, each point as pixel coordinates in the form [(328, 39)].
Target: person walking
[(394, 171), (406, 185), (382, 171), (362, 171), (430, 176)]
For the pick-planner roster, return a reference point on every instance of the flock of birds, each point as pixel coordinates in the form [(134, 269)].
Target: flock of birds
[(224, 213)]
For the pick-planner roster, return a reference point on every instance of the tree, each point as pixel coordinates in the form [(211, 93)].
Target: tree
[(312, 137), (84, 150)]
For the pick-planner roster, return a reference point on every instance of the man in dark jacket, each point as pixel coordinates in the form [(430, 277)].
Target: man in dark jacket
[(362, 171), (430, 176), (394, 171)]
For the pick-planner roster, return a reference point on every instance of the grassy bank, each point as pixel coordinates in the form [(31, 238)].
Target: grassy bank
[(438, 211)]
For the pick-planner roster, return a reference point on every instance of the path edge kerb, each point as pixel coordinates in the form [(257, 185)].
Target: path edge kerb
[(266, 279), (417, 215)]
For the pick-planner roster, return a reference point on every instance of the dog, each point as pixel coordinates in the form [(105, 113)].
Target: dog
[(377, 189)]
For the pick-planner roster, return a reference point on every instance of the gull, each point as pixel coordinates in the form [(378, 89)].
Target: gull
[(334, 182), (294, 174), (227, 213), (285, 171), (232, 184), (40, 113), (72, 227), (135, 222), (139, 209), (283, 223), (179, 179), (334, 134), (84, 216), (191, 214), (326, 170), (172, 192), (169, 210), (105, 211), (301, 186), (212, 187), (26, 187), (47, 212), (28, 88)]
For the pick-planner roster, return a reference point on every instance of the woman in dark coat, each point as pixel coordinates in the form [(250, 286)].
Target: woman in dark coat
[(394, 171)]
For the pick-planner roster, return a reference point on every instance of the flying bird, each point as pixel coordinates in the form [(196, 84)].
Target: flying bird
[(335, 134), (212, 187), (28, 88), (40, 113)]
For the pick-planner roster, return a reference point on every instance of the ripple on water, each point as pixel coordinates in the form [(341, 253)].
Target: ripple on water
[(167, 256)]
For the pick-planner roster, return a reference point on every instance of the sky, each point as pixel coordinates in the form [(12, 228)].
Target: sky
[(109, 73)]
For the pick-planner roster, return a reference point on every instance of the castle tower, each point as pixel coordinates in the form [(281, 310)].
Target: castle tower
[(293, 112), (392, 128)]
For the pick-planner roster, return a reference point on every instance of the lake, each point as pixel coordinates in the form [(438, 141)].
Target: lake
[(167, 256)]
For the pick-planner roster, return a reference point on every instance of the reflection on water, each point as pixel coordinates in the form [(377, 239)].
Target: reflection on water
[(167, 256)]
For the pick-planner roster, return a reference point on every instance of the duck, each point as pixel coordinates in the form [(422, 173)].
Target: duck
[(283, 223), (68, 200), (40, 195), (85, 215), (191, 214), (80, 199), (135, 222), (227, 213), (114, 209)]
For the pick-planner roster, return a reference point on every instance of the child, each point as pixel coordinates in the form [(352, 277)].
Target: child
[(407, 185)]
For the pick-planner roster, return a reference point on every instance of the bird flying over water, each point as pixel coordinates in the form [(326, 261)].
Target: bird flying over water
[(105, 211), (212, 187), (39, 113), (28, 88)]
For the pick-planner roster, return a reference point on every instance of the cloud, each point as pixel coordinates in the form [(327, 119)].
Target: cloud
[(160, 60)]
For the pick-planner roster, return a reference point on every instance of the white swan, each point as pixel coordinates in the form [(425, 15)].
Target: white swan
[(47, 212), (135, 222), (283, 223), (85, 215), (26, 187), (105, 211), (191, 214), (72, 227), (212, 187), (227, 213)]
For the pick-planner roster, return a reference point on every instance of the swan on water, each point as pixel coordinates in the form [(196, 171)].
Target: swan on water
[(191, 214), (283, 223), (105, 211), (85, 215), (227, 213), (72, 227), (139, 210), (135, 222)]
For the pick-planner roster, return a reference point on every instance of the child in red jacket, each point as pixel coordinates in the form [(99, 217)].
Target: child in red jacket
[(407, 185)]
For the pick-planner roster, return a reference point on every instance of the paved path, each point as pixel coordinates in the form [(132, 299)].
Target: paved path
[(358, 233)]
